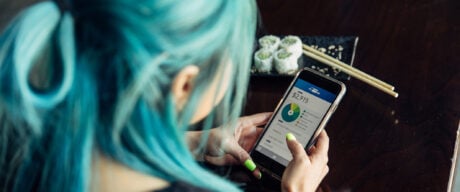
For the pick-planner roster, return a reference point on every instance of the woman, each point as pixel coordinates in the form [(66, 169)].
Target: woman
[(101, 95)]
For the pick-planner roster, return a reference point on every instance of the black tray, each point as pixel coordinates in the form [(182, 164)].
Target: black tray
[(339, 47)]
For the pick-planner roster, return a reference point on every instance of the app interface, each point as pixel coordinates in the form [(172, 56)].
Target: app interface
[(300, 114)]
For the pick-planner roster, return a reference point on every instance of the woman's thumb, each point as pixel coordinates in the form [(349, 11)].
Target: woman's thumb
[(294, 146)]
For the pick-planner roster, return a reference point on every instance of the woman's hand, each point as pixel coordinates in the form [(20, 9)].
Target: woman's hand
[(305, 172), (226, 148)]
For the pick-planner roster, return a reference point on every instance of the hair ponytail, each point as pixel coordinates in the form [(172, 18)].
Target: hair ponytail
[(39, 127), (37, 28)]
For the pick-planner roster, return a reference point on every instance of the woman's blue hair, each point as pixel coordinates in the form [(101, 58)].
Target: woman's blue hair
[(94, 77)]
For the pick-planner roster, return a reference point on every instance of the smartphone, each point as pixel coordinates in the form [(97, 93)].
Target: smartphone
[(303, 111)]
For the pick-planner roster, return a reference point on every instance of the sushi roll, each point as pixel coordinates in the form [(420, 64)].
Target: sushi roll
[(285, 62), (263, 60), (292, 44), (269, 42)]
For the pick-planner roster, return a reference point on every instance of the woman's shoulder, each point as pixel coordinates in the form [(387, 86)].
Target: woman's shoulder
[(179, 186)]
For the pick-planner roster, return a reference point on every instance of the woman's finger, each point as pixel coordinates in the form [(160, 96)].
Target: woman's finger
[(222, 160), (242, 156), (295, 147), (325, 170), (257, 119), (322, 147)]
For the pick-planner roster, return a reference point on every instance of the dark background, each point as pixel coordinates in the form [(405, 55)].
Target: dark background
[(9, 8), (378, 143)]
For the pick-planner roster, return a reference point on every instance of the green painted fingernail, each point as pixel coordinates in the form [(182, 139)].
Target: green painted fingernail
[(250, 165), (290, 137), (260, 176)]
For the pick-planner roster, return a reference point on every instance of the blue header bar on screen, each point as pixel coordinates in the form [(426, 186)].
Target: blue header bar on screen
[(315, 90)]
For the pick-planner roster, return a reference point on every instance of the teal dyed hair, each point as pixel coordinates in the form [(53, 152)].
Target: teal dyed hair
[(96, 78)]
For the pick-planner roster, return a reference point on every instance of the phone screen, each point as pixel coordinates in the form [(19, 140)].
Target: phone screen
[(301, 113)]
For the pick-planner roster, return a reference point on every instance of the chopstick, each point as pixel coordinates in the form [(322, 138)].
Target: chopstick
[(338, 62), (328, 60)]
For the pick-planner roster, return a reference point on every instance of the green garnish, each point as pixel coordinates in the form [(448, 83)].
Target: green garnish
[(268, 40), (264, 55), (289, 41), (284, 54)]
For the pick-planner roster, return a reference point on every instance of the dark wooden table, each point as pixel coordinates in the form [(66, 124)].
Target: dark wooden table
[(379, 143)]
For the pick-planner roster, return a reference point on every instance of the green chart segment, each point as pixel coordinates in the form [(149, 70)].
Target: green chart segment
[(290, 112)]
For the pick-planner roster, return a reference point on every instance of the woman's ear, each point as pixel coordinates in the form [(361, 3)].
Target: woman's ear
[(183, 84)]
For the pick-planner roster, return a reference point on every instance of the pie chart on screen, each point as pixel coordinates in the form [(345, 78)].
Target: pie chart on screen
[(290, 112)]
